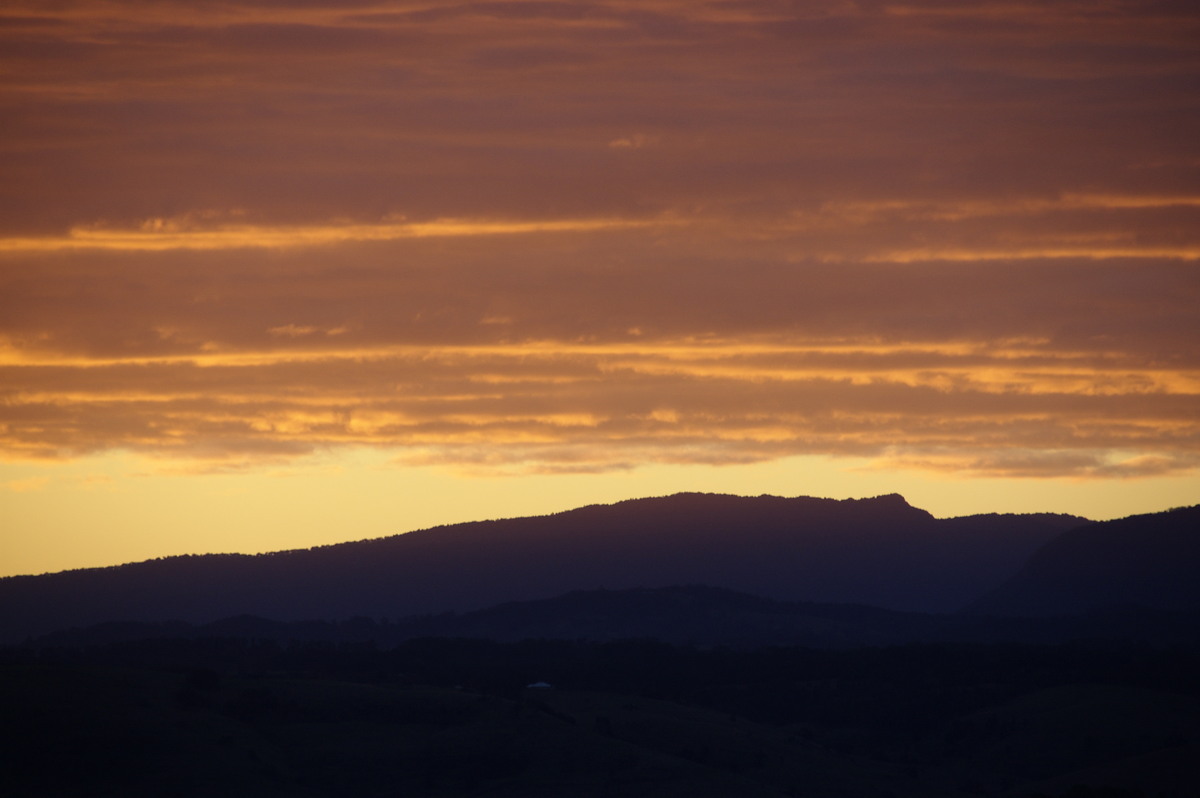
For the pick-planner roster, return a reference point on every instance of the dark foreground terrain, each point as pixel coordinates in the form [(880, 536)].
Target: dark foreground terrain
[(445, 717), (406, 666)]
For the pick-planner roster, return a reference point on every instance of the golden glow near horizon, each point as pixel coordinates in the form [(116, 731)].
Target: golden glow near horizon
[(502, 259)]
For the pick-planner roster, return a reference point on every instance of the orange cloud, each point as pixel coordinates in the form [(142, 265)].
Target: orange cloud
[(158, 235), (550, 236), (545, 405)]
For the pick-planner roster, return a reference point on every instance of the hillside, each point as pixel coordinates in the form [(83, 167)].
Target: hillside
[(694, 615), (1144, 560), (881, 551)]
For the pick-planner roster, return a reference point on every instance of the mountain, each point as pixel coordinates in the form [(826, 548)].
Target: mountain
[(1144, 560), (696, 615), (686, 615), (691, 615), (878, 551)]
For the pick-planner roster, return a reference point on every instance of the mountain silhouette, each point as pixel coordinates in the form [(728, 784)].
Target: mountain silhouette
[(688, 615), (879, 551), (1144, 560)]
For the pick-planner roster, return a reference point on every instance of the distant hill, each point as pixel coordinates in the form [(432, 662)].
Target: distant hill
[(690, 615), (1143, 560), (703, 616), (684, 615), (881, 552)]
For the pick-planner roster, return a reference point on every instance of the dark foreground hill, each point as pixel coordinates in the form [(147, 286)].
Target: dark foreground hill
[(880, 552), (440, 718), (1144, 560)]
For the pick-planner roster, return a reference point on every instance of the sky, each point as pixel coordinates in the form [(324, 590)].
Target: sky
[(281, 274)]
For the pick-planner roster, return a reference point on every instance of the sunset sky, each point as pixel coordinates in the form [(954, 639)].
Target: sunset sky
[(278, 274)]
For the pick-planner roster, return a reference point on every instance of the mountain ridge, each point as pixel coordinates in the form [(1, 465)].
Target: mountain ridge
[(879, 551), (1148, 560), (892, 499)]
